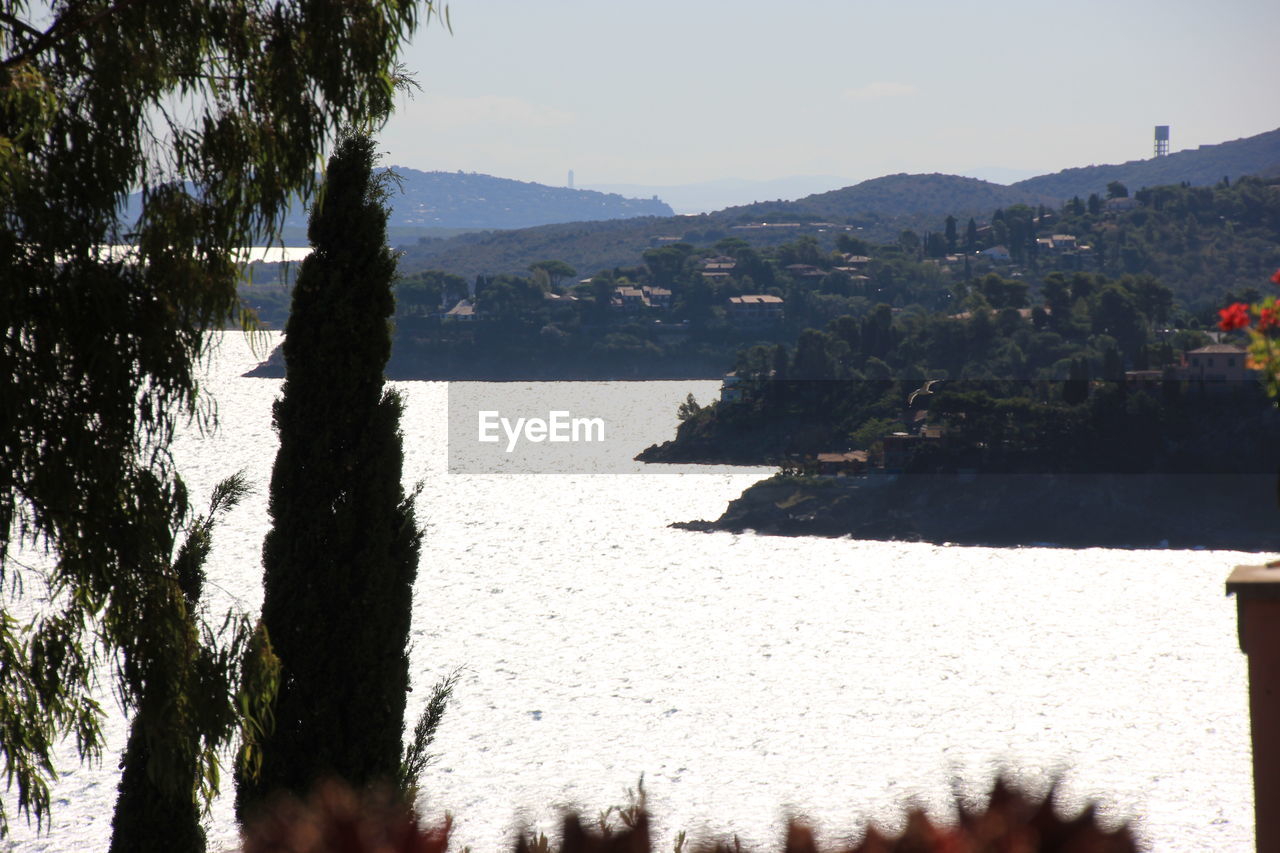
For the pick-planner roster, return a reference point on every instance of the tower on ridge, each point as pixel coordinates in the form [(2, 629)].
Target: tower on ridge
[(1162, 140)]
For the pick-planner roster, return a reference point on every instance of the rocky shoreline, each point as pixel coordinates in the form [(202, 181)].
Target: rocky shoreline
[(1212, 511)]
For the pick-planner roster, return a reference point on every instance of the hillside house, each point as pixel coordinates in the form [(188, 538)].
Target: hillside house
[(657, 297), (628, 298), (463, 312), (842, 464), (755, 309), (1216, 363), (731, 388)]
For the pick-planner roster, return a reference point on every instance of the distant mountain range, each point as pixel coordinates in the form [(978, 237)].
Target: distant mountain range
[(709, 196), (470, 200), (444, 203), (706, 196), (879, 209)]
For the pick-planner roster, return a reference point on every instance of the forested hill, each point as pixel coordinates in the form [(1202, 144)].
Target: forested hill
[(900, 195), (1203, 166), (439, 202), (469, 200), (879, 210)]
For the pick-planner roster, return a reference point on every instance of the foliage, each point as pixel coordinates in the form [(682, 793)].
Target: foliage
[(158, 807), (416, 755), (342, 553), (335, 819), (688, 409), (217, 111), (1262, 323)]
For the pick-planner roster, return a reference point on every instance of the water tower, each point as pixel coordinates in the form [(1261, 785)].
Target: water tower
[(1162, 140)]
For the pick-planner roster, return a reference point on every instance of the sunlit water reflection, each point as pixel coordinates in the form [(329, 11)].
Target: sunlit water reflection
[(751, 677)]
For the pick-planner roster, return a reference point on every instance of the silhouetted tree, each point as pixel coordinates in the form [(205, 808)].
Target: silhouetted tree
[(341, 556)]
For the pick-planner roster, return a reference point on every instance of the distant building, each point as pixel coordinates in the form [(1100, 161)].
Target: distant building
[(1144, 380), (805, 271), (1000, 254), (463, 312), (1216, 363), (657, 297), (842, 464), (731, 388), (628, 298), (755, 308)]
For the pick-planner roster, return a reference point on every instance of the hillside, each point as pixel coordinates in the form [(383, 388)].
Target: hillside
[(901, 195), (458, 200), (878, 209), (437, 203), (1203, 166), (585, 246)]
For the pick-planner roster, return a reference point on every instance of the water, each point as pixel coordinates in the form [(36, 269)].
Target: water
[(750, 677)]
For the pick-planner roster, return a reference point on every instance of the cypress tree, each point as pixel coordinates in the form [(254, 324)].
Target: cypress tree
[(341, 557)]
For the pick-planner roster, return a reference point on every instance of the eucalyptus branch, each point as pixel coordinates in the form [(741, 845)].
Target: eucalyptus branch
[(20, 24), (61, 30)]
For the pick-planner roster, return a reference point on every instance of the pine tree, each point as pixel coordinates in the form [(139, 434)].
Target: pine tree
[(341, 557)]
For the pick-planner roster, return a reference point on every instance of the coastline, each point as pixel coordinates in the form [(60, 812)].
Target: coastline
[(1132, 511)]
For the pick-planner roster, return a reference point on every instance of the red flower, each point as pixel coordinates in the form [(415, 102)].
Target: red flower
[(1275, 277), (1234, 316), (1268, 318)]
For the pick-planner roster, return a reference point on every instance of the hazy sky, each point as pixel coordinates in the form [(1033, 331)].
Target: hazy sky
[(678, 91)]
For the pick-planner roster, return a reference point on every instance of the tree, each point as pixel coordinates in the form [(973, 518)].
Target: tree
[(342, 553), (217, 112), (1115, 189), (851, 245), (688, 409), (149, 815), (556, 271), (951, 234)]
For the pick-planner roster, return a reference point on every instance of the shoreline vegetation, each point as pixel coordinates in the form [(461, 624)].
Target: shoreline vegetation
[(1141, 274), (1173, 464), (1139, 512), (1036, 348)]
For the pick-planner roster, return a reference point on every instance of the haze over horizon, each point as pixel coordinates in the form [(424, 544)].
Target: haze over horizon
[(669, 93)]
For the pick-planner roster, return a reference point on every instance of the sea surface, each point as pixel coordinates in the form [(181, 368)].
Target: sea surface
[(748, 678)]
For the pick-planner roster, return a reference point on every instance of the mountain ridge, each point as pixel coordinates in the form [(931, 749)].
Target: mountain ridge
[(879, 209)]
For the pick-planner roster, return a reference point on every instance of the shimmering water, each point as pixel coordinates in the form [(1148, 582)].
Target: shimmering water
[(752, 677)]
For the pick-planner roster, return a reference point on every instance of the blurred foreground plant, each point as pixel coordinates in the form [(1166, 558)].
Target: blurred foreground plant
[(334, 820)]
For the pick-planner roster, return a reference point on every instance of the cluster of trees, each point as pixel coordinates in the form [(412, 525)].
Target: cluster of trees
[(1203, 245), (1207, 244), (1054, 370), (102, 351)]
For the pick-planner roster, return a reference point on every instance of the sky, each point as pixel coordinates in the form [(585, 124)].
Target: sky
[(669, 92)]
